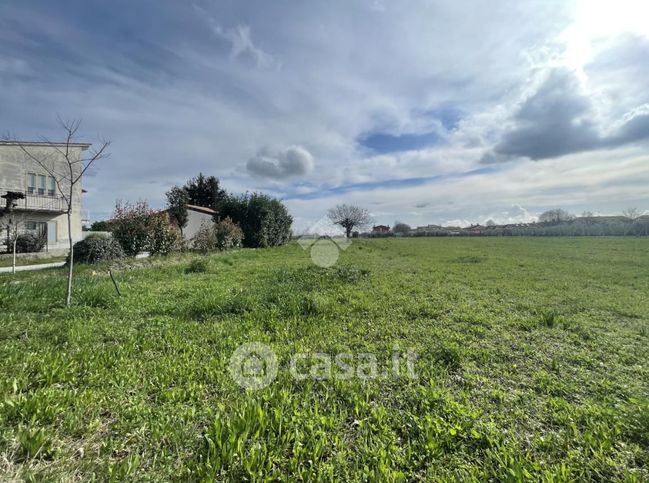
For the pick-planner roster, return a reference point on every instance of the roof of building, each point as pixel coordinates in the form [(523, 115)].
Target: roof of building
[(43, 143), (201, 209)]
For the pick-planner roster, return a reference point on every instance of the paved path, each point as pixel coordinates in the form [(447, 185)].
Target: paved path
[(41, 266), (28, 268)]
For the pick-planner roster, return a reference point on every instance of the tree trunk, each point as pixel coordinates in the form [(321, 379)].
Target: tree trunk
[(348, 231), (13, 265), (68, 293)]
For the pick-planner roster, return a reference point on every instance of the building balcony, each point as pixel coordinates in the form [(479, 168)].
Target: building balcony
[(34, 201)]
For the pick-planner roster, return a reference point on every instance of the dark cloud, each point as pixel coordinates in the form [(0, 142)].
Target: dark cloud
[(559, 119), (295, 161), (556, 120)]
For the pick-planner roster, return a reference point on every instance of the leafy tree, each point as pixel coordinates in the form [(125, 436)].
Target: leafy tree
[(264, 220), (555, 216), (349, 217), (490, 223), (177, 201), (101, 225), (400, 227), (205, 191)]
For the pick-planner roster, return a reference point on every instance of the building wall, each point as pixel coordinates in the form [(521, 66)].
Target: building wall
[(14, 167), (194, 221)]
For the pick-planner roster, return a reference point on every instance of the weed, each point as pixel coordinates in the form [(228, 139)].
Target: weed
[(198, 265), (34, 442), (548, 319)]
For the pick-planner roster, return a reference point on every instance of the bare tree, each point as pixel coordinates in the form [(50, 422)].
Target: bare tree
[(349, 217), (67, 169), (12, 223), (631, 213)]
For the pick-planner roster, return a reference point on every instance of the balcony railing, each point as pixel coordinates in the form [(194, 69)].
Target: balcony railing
[(34, 201)]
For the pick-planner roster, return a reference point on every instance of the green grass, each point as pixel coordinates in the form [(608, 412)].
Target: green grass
[(533, 365)]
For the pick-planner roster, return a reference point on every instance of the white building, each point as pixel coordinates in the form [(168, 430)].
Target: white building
[(196, 216), (42, 206)]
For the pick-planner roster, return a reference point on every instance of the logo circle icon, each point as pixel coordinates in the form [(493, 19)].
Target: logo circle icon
[(253, 365), (324, 253)]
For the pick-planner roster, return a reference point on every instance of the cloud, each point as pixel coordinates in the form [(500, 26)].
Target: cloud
[(295, 161), (556, 120), (241, 42), (635, 127), (513, 214), (620, 69), (560, 119)]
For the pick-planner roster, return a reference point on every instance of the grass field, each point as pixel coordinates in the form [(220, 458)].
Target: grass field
[(532, 364)]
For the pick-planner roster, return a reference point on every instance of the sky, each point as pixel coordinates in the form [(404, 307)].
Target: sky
[(425, 111)]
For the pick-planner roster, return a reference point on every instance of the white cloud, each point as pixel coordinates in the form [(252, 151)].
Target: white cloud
[(241, 42), (292, 162)]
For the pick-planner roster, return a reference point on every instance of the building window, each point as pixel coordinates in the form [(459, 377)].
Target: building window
[(31, 183), (37, 227), (41, 184), (51, 186)]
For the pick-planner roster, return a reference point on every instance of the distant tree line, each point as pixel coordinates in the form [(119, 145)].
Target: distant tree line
[(555, 222)]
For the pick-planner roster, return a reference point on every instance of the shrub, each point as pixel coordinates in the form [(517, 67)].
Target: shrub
[(30, 243), (163, 238), (197, 266), (264, 220), (96, 236), (95, 249), (227, 234), (130, 226), (101, 226), (222, 235), (138, 228), (205, 239)]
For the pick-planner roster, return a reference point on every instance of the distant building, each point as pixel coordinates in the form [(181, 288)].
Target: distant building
[(475, 230), (380, 229), (427, 230), (196, 216), (35, 191)]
